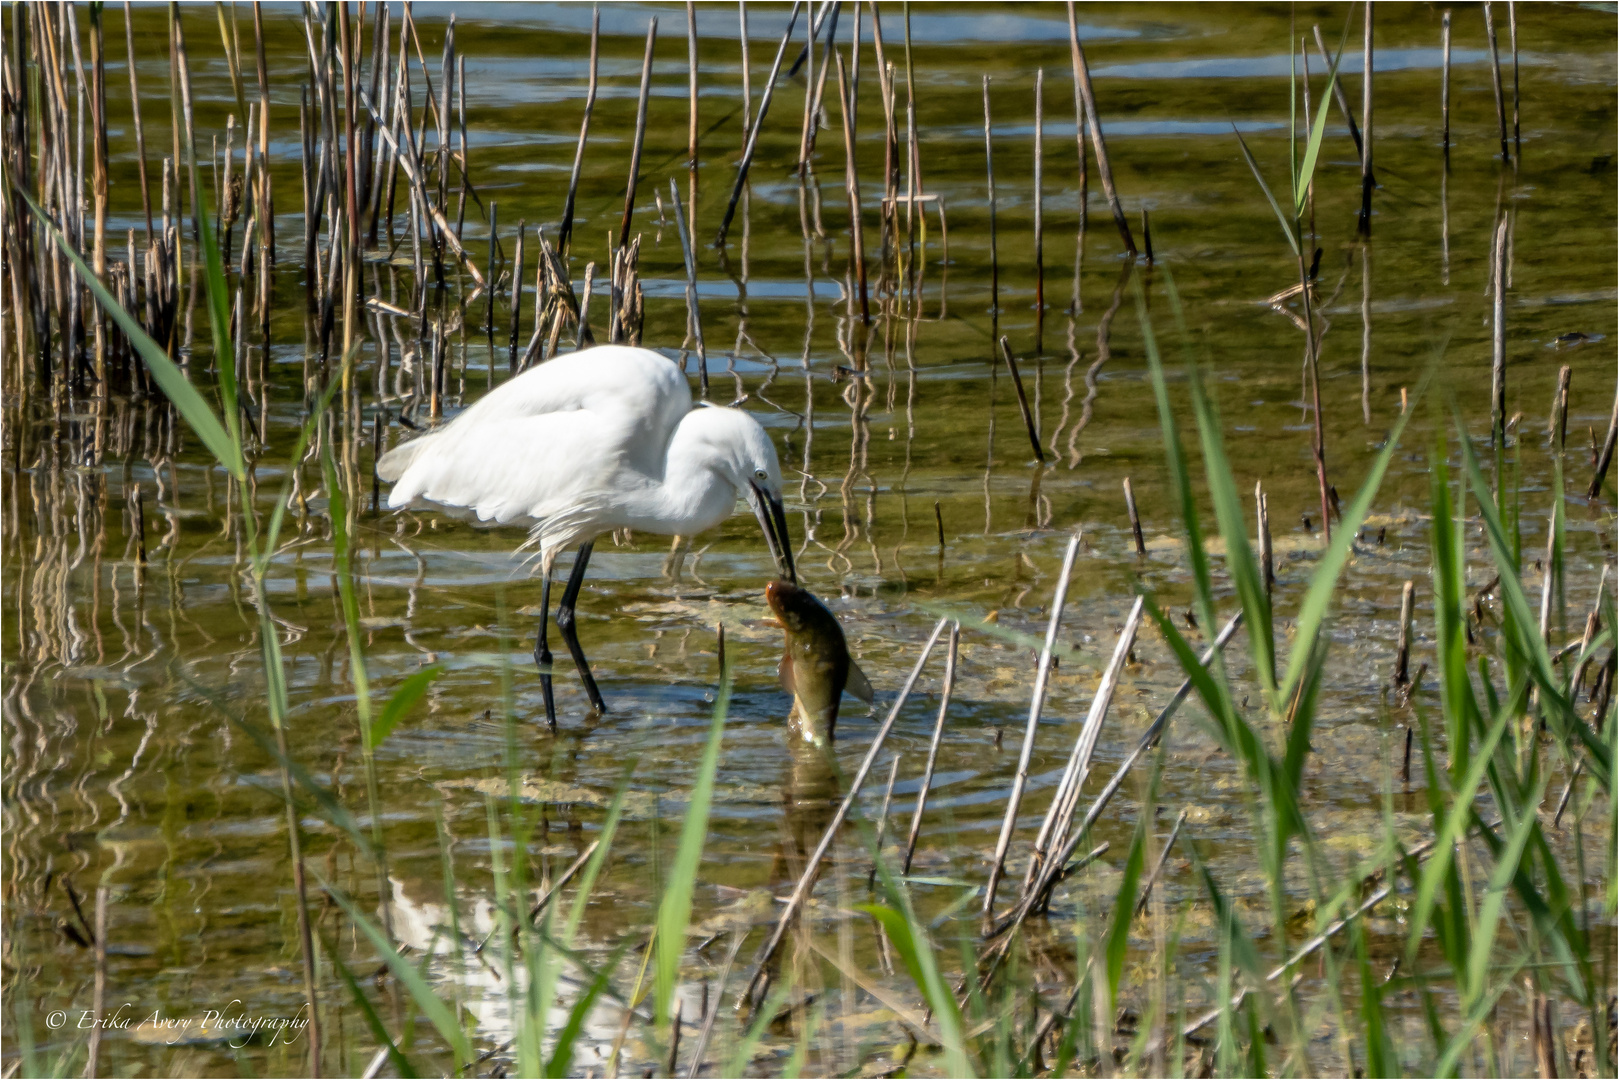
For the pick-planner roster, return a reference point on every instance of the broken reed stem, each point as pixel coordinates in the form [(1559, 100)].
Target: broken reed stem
[(1339, 95), (692, 313), (1082, 78), (640, 133), (1495, 80), (99, 994), (989, 172), (1042, 675), (1512, 33), (1267, 558), (1135, 519), (584, 132), (691, 81), (135, 109), (1060, 814), (516, 296), (1402, 655), (807, 880), (758, 121), (1605, 455), (1557, 426), (747, 71), (1498, 336), (1163, 857), (1022, 401), (882, 820), (851, 181), (1366, 181), (938, 734), (1039, 163), (1444, 82)]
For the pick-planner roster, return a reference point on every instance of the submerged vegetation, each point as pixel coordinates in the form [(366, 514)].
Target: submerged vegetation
[(425, 919)]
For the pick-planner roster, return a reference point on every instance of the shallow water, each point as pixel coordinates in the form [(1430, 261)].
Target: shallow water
[(122, 768)]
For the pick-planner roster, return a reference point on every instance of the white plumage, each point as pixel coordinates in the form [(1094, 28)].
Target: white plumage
[(594, 441)]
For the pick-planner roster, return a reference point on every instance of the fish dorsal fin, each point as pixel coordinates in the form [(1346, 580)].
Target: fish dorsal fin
[(858, 684)]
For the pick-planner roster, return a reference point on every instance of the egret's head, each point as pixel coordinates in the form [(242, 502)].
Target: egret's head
[(744, 455)]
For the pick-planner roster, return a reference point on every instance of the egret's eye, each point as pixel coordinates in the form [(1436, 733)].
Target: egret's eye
[(761, 474)]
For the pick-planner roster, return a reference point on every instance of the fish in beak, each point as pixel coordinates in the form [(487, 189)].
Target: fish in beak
[(816, 667), (773, 523)]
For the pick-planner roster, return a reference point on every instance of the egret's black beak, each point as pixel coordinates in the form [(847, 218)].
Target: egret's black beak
[(773, 522)]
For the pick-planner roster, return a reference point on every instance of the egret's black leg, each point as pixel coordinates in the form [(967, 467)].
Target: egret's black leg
[(570, 634), (542, 655)]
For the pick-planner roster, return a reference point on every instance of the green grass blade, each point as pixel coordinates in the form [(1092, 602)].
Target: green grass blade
[(1455, 825), (743, 1054), (407, 974), (1241, 565), (1520, 629), (562, 1053), (1507, 865), (1324, 582), (1281, 216), (1318, 131), (674, 910), (915, 950), (188, 401), (1124, 904), (401, 1063), (410, 691)]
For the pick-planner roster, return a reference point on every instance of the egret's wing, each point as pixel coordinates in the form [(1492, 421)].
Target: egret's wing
[(548, 469), (618, 383)]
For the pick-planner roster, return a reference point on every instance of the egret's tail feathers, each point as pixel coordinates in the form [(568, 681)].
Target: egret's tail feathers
[(392, 465)]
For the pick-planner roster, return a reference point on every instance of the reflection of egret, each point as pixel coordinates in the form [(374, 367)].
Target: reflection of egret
[(599, 440)]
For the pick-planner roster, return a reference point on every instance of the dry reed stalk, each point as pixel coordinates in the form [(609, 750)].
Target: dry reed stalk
[(1444, 83), (1495, 80), (747, 73), (938, 734), (693, 315), (1039, 164), (640, 133), (1366, 180), (1135, 519), (1022, 401), (565, 236), (1082, 79), (517, 295), (691, 83), (135, 110), (882, 819), (1557, 426), (1019, 781), (758, 121), (1267, 558), (1163, 857), (407, 161), (1512, 32), (584, 336), (1060, 814), (989, 171), (1605, 455), (1498, 336), (1402, 653), (851, 181), (807, 880)]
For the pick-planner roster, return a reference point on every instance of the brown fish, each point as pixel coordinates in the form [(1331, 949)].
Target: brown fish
[(815, 666)]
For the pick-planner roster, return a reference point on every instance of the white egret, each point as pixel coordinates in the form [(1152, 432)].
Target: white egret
[(597, 440)]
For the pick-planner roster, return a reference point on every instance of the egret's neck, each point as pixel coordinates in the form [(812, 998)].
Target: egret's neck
[(695, 494)]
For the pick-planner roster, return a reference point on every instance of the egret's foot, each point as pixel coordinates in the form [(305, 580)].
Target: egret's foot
[(542, 660)]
